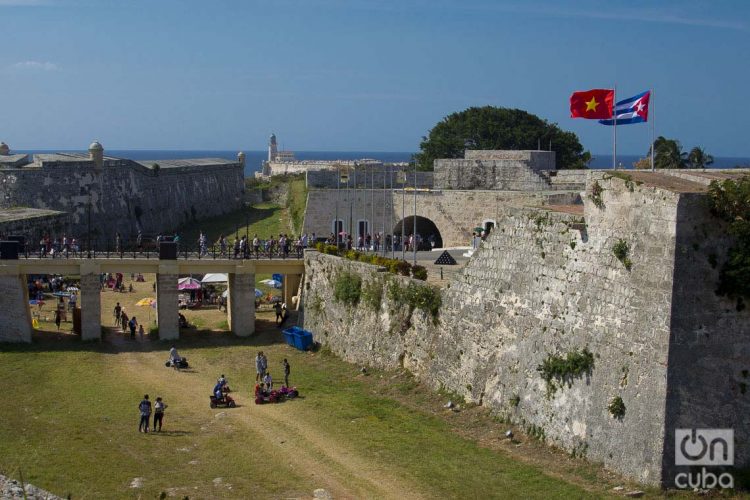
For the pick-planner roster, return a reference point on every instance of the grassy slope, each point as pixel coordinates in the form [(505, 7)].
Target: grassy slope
[(75, 429)]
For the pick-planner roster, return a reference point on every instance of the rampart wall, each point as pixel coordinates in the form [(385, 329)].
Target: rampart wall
[(125, 196), (375, 176), (546, 283), (454, 213), (32, 223), (502, 170)]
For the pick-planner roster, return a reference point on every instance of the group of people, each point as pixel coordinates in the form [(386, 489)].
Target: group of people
[(374, 243), (144, 407), (122, 320), (58, 247), (263, 376)]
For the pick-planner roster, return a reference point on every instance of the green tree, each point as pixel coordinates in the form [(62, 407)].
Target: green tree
[(668, 153), (730, 200), (491, 127), (698, 158)]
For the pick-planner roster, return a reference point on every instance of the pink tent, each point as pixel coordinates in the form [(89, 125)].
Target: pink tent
[(188, 284)]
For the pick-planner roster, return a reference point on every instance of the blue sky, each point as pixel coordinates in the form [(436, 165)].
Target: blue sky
[(361, 74)]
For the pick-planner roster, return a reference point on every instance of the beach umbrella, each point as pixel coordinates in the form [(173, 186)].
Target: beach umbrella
[(188, 284), (150, 302), (258, 293), (478, 229)]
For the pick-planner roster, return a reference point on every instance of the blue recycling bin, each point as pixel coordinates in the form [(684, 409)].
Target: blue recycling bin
[(290, 335), (298, 338)]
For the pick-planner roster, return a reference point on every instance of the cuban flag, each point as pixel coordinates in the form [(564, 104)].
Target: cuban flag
[(632, 110)]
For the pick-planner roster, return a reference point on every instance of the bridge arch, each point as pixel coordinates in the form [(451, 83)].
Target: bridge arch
[(425, 228)]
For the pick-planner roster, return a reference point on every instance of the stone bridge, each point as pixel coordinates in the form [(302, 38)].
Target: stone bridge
[(15, 315)]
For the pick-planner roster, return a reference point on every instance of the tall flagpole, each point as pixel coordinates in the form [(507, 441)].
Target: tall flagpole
[(653, 128), (614, 128)]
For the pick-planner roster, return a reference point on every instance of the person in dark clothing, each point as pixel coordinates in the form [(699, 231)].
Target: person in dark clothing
[(287, 371), (159, 408), (279, 316), (132, 324), (145, 408)]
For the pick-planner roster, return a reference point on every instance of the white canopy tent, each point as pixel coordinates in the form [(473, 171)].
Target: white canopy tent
[(215, 278)]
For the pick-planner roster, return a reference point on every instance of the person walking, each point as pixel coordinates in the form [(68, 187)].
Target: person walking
[(117, 311), (287, 371), (159, 408), (279, 316), (145, 408), (259, 367), (132, 324)]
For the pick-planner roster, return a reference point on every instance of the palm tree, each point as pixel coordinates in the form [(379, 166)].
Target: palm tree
[(668, 153), (698, 158)]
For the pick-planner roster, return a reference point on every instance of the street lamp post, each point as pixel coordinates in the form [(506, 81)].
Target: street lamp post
[(336, 221), (403, 217)]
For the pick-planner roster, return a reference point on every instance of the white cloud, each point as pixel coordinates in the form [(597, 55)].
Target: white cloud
[(35, 65)]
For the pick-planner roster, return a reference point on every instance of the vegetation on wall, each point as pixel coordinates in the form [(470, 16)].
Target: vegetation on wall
[(596, 195), (557, 370), (491, 127), (730, 201), (621, 250), (347, 288), (394, 266), (617, 408), (424, 297), (372, 294)]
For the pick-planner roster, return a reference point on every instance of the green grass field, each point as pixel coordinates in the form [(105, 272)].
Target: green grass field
[(74, 430)]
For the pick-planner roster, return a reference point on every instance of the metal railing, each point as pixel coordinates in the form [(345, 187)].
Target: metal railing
[(131, 250)]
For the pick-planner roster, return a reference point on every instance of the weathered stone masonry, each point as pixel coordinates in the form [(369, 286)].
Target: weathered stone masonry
[(548, 283), (125, 195)]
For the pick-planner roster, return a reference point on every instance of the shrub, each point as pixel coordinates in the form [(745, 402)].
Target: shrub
[(617, 407), (730, 201), (556, 368), (347, 288), (403, 268), (419, 272), (621, 251), (424, 297), (596, 195), (372, 294)]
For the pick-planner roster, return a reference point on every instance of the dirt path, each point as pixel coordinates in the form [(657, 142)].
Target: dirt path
[(343, 471)]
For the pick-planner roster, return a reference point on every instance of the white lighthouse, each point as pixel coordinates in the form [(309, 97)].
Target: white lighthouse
[(272, 148)]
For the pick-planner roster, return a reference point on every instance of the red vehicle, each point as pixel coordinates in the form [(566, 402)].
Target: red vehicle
[(225, 401)]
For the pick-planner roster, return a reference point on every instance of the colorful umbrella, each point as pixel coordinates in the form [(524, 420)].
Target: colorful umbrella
[(188, 284)]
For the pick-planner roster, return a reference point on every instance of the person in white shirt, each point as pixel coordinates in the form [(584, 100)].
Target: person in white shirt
[(268, 381)]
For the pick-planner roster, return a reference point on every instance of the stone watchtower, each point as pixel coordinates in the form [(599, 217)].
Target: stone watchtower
[(4, 149), (273, 149), (96, 153)]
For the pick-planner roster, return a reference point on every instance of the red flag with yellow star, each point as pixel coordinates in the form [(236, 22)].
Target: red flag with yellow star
[(592, 104)]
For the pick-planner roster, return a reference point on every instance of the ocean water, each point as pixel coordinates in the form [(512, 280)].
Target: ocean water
[(254, 159)]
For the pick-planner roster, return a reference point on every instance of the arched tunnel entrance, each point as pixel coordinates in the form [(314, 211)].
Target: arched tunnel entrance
[(426, 229)]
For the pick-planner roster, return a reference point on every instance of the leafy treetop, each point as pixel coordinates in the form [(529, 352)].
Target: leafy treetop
[(491, 127)]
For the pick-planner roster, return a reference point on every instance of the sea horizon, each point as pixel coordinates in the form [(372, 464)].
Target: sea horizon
[(254, 159)]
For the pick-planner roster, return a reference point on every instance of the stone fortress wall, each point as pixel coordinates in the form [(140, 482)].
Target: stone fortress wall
[(124, 195), (547, 282)]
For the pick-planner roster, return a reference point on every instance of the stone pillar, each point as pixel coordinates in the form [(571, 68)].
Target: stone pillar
[(291, 285), (241, 305), (15, 317), (91, 304), (167, 315)]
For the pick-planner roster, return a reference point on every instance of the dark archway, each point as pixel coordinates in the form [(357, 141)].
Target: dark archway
[(425, 228)]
